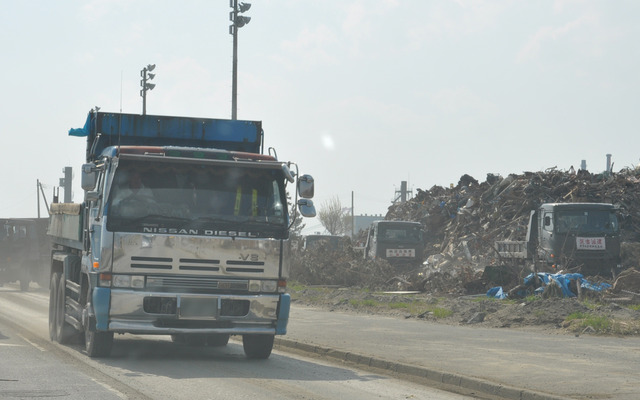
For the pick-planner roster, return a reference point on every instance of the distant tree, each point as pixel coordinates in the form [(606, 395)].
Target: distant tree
[(335, 219)]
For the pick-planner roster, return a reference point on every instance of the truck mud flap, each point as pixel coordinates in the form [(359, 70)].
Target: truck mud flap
[(101, 299), (283, 314)]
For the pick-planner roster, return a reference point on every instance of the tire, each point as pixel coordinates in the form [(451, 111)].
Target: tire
[(64, 332), (97, 344), (218, 340), (257, 346), (53, 301)]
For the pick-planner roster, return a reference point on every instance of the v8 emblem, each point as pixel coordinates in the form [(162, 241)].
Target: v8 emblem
[(249, 257)]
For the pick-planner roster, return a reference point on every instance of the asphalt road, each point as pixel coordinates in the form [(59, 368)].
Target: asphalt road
[(514, 363), (152, 367)]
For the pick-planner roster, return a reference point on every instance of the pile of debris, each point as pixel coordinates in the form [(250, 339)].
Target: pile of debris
[(462, 224), (326, 265), (464, 221)]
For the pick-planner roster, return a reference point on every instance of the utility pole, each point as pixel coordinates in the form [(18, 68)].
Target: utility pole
[(38, 194), (353, 219), (66, 183), (146, 76), (238, 22)]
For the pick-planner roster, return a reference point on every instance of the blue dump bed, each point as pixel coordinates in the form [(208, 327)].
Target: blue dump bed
[(113, 129)]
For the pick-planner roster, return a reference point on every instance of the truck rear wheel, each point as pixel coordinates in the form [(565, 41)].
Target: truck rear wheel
[(64, 332), (257, 346)]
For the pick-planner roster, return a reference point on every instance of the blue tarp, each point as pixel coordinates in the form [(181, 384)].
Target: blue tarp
[(562, 280), (497, 293)]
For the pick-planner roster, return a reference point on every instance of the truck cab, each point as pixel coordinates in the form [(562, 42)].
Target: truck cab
[(584, 235), (398, 242)]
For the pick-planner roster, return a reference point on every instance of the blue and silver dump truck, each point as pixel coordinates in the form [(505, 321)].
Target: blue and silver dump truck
[(183, 231)]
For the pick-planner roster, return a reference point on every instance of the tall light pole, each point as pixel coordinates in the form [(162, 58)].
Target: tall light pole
[(146, 76), (238, 22)]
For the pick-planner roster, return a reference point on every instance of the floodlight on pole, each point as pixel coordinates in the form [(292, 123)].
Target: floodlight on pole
[(238, 22), (146, 76)]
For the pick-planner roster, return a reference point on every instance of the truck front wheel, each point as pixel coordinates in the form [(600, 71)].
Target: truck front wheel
[(98, 344), (257, 346)]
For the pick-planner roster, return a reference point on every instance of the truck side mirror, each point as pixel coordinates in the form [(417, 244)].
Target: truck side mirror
[(547, 221), (92, 196), (305, 187), (89, 177), (306, 207)]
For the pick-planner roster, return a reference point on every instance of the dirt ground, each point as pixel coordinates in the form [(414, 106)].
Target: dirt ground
[(560, 315), (460, 299)]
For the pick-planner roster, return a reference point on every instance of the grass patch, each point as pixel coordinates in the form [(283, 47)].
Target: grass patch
[(396, 306), (539, 313), (600, 324), (364, 303), (295, 286), (576, 315), (589, 304), (440, 312), (635, 307)]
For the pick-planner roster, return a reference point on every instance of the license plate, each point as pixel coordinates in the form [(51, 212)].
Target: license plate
[(198, 307), (595, 243), (401, 253)]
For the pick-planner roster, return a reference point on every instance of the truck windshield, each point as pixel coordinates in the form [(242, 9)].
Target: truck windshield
[(399, 233), (591, 221), (197, 199)]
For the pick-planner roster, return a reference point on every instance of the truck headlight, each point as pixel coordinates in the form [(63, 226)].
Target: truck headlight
[(128, 281), (263, 286)]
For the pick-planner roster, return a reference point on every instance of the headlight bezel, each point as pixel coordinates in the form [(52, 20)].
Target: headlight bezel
[(122, 281)]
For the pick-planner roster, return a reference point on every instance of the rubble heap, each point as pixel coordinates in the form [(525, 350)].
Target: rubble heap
[(463, 222)]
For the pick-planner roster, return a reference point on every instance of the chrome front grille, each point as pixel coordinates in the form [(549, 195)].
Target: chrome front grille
[(189, 284)]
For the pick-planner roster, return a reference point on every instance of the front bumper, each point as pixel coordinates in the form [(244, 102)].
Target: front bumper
[(144, 312)]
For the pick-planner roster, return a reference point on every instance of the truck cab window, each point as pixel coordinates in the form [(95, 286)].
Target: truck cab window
[(192, 195), (548, 222)]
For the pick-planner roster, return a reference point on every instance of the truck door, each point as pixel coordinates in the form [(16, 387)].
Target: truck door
[(373, 241), (545, 229), (94, 220)]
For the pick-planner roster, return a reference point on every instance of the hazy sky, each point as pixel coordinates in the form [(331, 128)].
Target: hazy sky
[(361, 94)]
